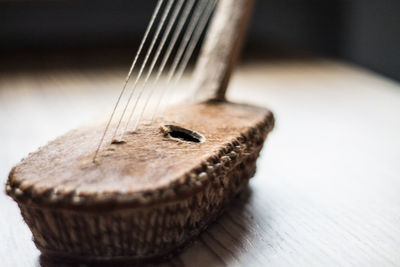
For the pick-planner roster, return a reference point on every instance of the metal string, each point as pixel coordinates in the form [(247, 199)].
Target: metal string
[(149, 51), (190, 39), (150, 25), (178, 30), (188, 34), (196, 37), (186, 57), (154, 61)]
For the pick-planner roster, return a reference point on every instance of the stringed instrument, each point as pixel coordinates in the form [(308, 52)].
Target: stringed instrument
[(109, 191)]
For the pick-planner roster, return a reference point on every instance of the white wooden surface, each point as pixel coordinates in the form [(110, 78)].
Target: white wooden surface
[(327, 190)]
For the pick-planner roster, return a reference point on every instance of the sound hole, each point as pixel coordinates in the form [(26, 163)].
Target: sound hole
[(183, 134)]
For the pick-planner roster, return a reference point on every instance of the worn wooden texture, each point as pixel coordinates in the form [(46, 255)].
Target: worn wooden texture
[(149, 167), (327, 188), (146, 196)]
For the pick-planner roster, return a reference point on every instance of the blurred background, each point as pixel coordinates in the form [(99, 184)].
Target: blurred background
[(365, 32)]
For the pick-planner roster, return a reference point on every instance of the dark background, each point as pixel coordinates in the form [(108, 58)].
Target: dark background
[(365, 32)]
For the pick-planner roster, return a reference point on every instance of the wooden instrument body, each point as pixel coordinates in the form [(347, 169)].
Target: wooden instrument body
[(148, 195), (144, 197)]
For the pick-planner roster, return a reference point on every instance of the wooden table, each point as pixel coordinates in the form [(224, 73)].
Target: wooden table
[(327, 190)]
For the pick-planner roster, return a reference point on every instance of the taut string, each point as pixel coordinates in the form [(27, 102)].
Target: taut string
[(178, 30), (188, 53), (182, 48), (154, 61), (153, 18), (170, 22), (150, 49)]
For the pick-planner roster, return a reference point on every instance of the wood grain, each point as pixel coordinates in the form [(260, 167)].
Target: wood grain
[(327, 188)]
